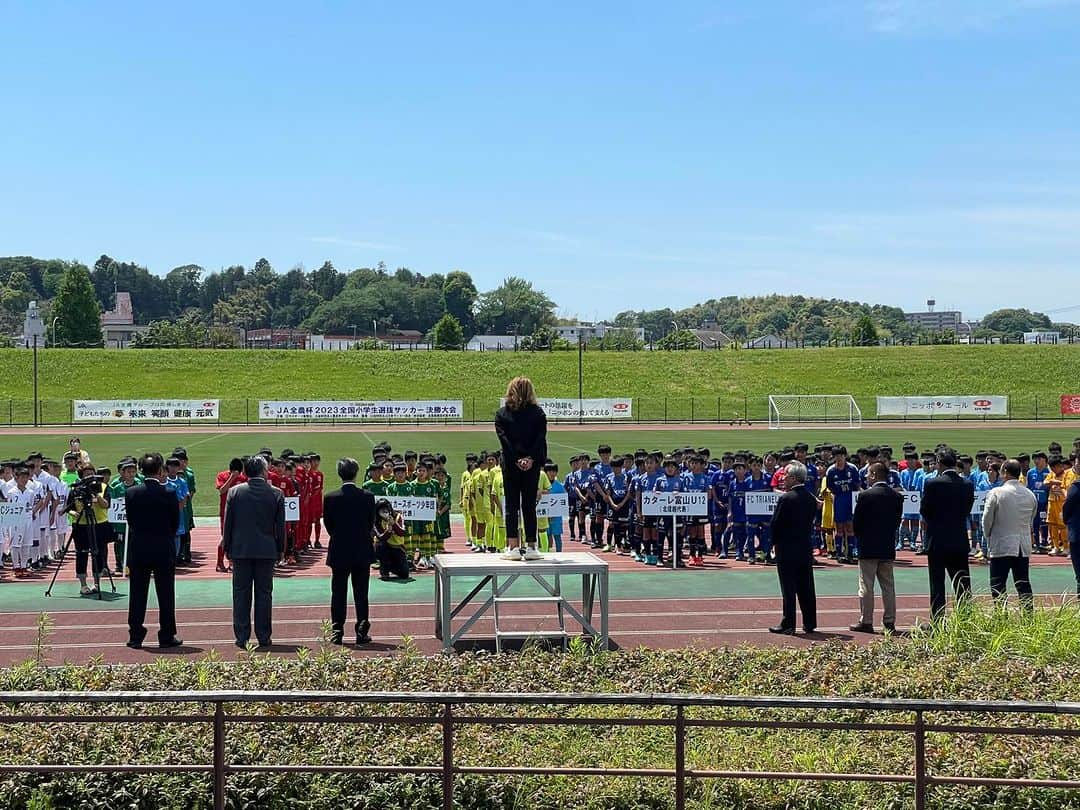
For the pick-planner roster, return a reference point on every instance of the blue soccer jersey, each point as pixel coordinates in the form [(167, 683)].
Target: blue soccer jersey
[(843, 483), (1036, 483), (737, 499)]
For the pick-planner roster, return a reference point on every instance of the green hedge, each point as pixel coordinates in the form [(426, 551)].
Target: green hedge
[(919, 668)]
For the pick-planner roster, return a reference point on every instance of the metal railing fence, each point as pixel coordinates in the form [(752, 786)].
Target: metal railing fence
[(225, 708)]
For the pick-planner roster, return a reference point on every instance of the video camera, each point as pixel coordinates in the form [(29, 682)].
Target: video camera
[(85, 491)]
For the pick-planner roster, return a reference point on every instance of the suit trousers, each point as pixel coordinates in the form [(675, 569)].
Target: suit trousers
[(882, 572), (253, 577), (1000, 567), (797, 582), (139, 590), (360, 575), (955, 564)]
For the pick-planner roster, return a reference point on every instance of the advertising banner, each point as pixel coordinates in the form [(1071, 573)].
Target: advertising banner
[(668, 504), (1070, 404), (360, 409), (619, 408), (143, 410), (943, 406)]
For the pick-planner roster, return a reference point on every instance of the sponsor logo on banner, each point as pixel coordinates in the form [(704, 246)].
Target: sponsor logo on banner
[(360, 409), (117, 510), (552, 506), (943, 406), (143, 410), (668, 504), (1070, 404), (588, 408), (414, 508), (292, 508), (13, 514)]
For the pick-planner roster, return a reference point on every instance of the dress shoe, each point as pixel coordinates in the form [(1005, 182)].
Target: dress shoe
[(782, 630), (265, 644), (135, 645), (809, 630), (171, 642), (362, 634), (337, 638), (861, 627), (241, 644), (889, 628)]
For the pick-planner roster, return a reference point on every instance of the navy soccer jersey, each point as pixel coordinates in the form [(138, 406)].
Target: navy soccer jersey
[(843, 484)]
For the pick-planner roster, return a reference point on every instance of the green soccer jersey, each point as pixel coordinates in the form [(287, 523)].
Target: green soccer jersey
[(427, 489), (442, 521), (189, 509), (376, 488), (402, 490)]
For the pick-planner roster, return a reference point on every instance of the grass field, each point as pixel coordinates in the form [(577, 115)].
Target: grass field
[(725, 384), (210, 452)]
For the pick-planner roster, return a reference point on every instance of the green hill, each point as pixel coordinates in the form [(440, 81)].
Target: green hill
[(661, 382)]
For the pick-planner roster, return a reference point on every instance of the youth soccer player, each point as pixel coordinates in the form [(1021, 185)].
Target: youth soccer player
[(465, 500), (720, 490), (481, 499), (22, 493), (402, 487), (670, 480), (911, 480), (647, 484), (617, 495), (1036, 481), (1055, 501), (697, 481), (757, 526), (225, 481), (187, 518), (442, 518), (843, 481), (572, 496), (117, 489), (424, 530), (737, 508), (316, 482)]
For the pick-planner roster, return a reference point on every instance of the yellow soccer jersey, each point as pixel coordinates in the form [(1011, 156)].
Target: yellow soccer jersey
[(1071, 477), (481, 494), (827, 521), (1055, 499), (545, 487), (466, 497), (498, 495)]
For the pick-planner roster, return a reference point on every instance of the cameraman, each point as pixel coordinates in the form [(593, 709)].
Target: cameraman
[(89, 491)]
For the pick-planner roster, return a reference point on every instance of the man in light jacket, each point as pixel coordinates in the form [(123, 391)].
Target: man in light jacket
[(1006, 523)]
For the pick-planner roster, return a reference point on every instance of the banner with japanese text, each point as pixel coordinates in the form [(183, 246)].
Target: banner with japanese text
[(360, 409), (144, 410)]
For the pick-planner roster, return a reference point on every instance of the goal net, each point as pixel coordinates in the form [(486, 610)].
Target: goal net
[(841, 410)]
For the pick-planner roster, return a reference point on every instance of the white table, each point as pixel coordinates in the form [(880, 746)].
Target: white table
[(499, 575)]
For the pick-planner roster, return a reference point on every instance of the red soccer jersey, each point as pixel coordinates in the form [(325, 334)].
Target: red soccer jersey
[(222, 479), (316, 481)]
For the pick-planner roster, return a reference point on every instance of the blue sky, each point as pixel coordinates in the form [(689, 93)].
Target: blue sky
[(619, 155)]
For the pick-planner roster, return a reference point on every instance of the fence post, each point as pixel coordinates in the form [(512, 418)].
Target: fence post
[(680, 758), (691, 410), (447, 758), (920, 762), (718, 410), (1036, 407), (247, 411), (219, 756), (745, 409)]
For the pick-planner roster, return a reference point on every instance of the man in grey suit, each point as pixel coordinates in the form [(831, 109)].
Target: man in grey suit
[(254, 540)]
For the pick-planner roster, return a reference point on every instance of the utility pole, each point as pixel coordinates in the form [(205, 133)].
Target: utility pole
[(580, 376)]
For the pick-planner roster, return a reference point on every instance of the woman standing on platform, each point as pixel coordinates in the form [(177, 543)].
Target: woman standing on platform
[(522, 430)]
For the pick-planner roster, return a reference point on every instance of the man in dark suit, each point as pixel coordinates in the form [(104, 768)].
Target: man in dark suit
[(878, 513), (946, 508), (153, 517), (791, 528), (254, 540), (349, 515)]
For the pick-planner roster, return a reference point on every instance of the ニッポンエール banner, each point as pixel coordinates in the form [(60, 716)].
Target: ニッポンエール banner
[(314, 409), (943, 406), (556, 408), (143, 410)]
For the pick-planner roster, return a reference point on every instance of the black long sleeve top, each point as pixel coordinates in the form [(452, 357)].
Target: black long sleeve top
[(522, 434)]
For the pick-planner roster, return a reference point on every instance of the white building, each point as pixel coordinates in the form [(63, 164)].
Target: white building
[(33, 328), (594, 331), (332, 343), (493, 343), (1042, 337)]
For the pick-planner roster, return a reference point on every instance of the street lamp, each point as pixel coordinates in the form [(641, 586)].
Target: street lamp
[(353, 325), (53, 328)]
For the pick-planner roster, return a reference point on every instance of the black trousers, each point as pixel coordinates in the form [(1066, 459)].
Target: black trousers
[(521, 489), (955, 564), (339, 592), (1019, 567), (139, 590), (80, 536), (797, 583), (392, 561), (253, 577)]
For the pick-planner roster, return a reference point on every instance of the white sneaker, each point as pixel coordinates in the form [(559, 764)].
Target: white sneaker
[(532, 554), (511, 554)]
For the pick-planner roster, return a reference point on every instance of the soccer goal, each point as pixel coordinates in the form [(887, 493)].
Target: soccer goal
[(786, 410)]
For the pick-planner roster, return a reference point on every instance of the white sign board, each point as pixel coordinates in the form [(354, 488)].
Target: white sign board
[(13, 514), (619, 408), (553, 505), (414, 508), (144, 410), (360, 410), (913, 501), (761, 503), (670, 504), (117, 510), (943, 406), (292, 508)]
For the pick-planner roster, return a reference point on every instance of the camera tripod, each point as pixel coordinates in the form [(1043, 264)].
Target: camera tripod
[(96, 563)]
